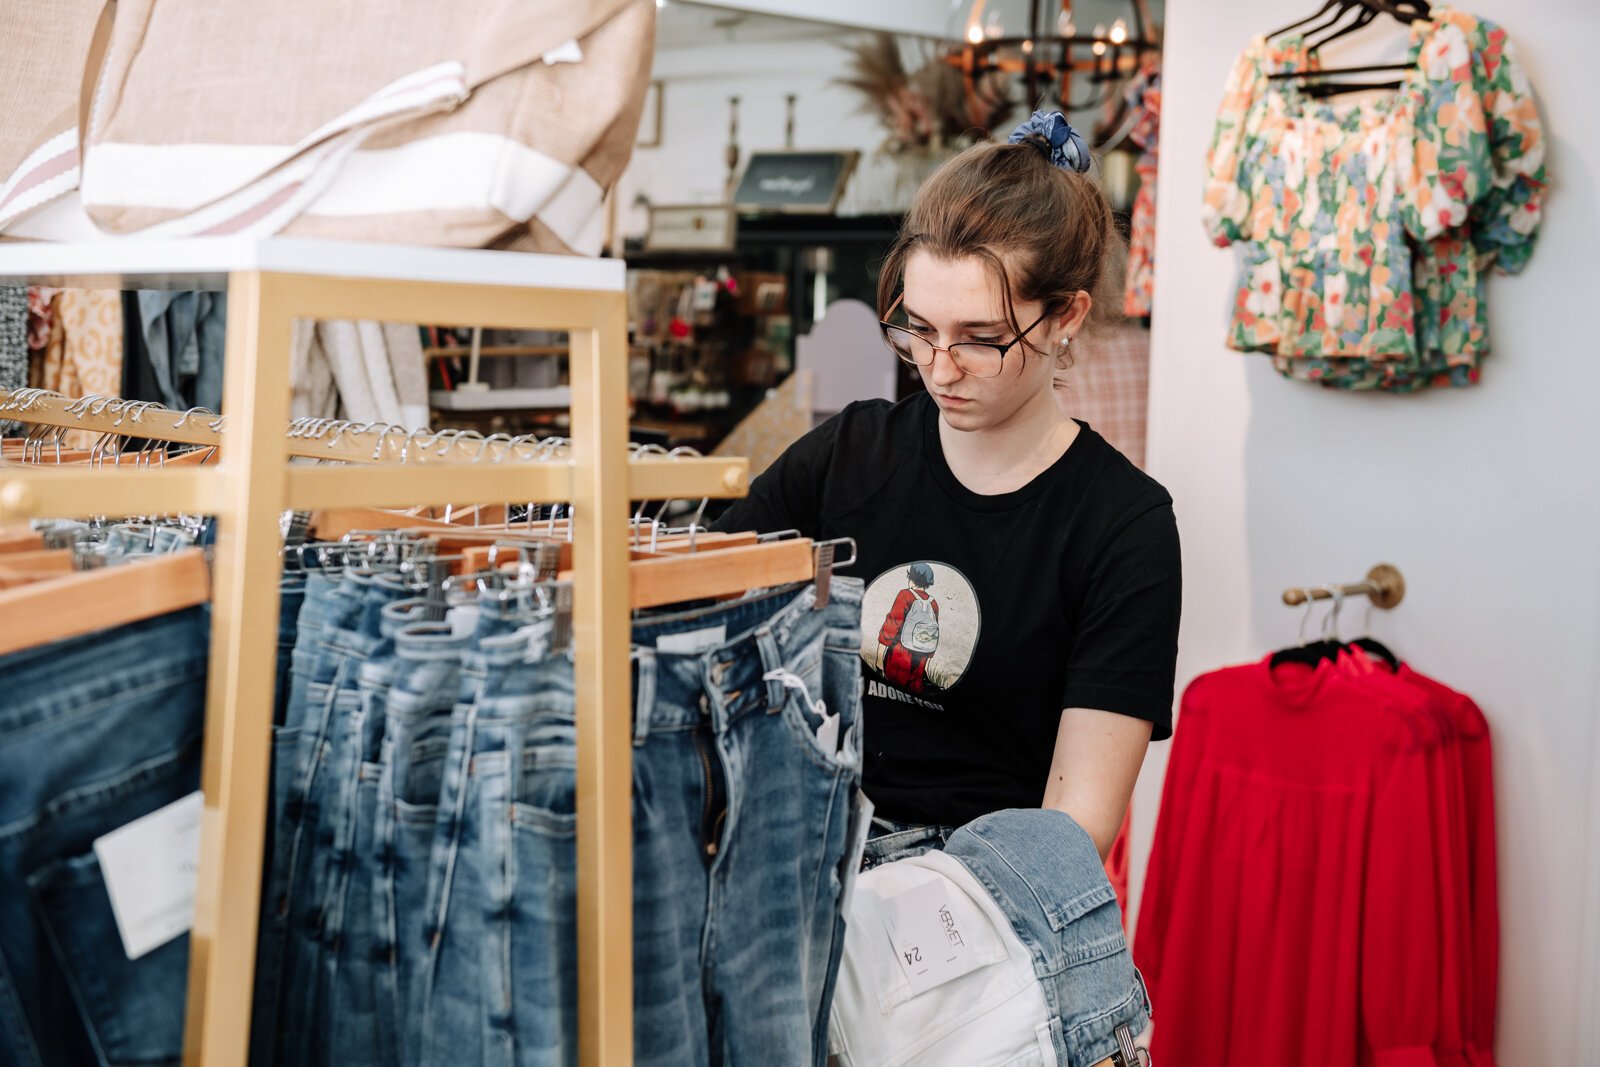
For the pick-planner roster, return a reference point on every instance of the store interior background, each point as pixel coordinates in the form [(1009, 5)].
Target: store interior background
[(1487, 498)]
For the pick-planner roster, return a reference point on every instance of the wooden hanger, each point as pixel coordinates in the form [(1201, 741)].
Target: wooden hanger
[(84, 602), (672, 578)]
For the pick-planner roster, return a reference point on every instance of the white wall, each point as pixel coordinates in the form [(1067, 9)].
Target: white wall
[(689, 167), (1488, 499)]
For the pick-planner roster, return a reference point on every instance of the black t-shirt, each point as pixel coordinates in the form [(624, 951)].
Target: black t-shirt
[(984, 616)]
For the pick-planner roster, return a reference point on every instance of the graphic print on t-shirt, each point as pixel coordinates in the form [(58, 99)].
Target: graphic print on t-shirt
[(919, 628)]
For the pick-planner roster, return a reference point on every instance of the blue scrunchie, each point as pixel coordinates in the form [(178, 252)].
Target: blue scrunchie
[(1068, 149)]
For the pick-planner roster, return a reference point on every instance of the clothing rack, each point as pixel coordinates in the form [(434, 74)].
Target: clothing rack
[(1384, 585), (270, 282)]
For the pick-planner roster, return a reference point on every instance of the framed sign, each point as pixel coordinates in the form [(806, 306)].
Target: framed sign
[(692, 228), (793, 181)]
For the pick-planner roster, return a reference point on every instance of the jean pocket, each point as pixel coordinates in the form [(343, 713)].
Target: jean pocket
[(546, 797), (131, 1009), (1096, 978)]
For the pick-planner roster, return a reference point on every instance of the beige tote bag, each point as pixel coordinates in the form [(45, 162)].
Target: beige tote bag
[(469, 123)]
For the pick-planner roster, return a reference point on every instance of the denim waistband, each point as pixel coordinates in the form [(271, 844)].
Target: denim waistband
[(751, 644), (67, 678)]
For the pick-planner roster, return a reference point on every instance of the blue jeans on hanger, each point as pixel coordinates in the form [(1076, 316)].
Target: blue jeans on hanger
[(418, 715), (354, 1031), (95, 732), (329, 814), (747, 752)]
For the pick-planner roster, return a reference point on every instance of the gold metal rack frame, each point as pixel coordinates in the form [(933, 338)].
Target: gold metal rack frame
[(270, 283), (1385, 586)]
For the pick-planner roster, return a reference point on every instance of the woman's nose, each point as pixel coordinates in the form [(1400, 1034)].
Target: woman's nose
[(943, 370)]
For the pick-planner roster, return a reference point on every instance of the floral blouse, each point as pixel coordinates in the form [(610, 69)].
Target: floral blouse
[(1145, 96), (1366, 233)]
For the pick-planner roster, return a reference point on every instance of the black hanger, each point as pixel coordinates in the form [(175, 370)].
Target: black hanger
[(1364, 17), (1404, 11), (1378, 649), (1310, 655), (1342, 5)]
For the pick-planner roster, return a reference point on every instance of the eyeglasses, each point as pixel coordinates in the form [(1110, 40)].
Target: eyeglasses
[(980, 359)]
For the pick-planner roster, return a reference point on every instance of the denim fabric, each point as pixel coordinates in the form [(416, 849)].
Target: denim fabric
[(889, 840), (418, 721), (1049, 980), (274, 882), (291, 595), (1044, 872), (354, 1032), (500, 980), (328, 821), (320, 603), (762, 889), (734, 920), (94, 732), (184, 336)]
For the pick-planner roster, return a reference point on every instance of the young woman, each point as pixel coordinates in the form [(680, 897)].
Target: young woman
[(1047, 666)]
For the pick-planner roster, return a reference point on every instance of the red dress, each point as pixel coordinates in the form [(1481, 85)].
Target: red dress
[(1320, 890)]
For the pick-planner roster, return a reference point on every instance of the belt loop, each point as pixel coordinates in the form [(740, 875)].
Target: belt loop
[(644, 693), (771, 660)]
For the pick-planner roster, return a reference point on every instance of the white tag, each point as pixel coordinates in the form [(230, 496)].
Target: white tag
[(152, 867), (693, 641), (565, 53), (538, 638), (828, 734), (860, 827), (927, 937), (463, 620)]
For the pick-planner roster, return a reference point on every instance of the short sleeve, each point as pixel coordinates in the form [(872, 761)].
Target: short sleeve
[(1225, 211), (788, 494), (1444, 167), (1505, 221), (1124, 657)]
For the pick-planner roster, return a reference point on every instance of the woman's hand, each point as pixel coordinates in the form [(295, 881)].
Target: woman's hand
[(1097, 760)]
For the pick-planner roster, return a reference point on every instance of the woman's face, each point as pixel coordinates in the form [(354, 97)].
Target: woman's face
[(953, 300)]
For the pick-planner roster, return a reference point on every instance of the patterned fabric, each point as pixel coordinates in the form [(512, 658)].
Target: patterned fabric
[(1366, 233), (1145, 95), (1109, 387), (83, 351), (13, 343), (41, 314)]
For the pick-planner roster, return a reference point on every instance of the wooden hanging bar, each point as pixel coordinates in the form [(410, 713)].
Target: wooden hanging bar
[(668, 477), (1384, 585)]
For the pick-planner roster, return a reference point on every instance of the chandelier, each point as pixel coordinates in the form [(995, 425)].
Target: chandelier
[(1039, 46)]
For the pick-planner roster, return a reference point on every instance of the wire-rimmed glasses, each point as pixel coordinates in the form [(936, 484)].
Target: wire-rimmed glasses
[(980, 359)]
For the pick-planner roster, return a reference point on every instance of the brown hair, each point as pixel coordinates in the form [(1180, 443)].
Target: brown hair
[(1046, 232)]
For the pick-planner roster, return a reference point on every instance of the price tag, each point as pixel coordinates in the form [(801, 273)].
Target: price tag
[(928, 941), (152, 867)]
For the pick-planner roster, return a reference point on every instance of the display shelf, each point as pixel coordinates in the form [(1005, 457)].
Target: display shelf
[(557, 397), (205, 263)]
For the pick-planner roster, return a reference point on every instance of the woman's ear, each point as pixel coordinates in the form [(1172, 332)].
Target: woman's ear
[(1075, 314), (1067, 325)]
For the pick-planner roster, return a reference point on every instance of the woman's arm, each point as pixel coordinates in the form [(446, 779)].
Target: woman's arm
[(1097, 760)]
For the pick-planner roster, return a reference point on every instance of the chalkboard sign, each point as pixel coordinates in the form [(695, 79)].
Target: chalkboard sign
[(803, 182)]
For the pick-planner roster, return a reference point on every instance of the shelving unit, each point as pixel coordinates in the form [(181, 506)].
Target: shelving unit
[(269, 284)]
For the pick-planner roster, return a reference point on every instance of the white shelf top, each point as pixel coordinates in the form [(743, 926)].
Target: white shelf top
[(558, 397), (205, 262)]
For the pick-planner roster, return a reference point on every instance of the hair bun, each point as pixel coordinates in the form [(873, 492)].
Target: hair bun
[(1050, 132)]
